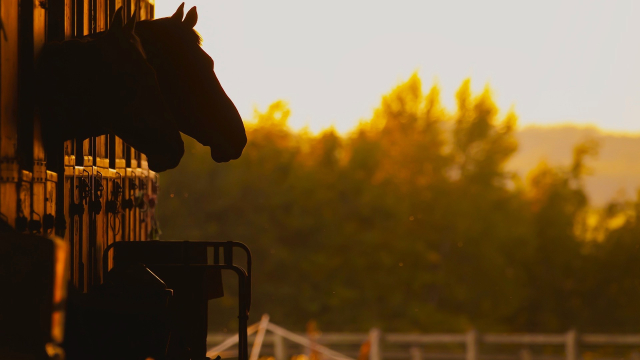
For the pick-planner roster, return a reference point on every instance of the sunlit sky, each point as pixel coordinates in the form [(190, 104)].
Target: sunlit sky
[(556, 61)]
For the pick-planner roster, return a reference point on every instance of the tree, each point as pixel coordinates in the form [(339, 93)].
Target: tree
[(410, 222)]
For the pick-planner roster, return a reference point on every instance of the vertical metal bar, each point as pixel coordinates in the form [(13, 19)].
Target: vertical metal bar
[(86, 17), (127, 8), (243, 317), (78, 18), (228, 253), (51, 194), (69, 19), (38, 202), (216, 255), (80, 230), (101, 15)]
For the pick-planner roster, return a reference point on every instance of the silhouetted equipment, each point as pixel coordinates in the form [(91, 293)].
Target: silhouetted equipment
[(126, 317), (70, 112), (193, 271), (33, 278)]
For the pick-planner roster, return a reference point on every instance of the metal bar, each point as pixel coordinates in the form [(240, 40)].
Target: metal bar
[(228, 253)]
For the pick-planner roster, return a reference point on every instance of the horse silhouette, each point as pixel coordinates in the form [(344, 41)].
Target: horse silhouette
[(103, 84), (193, 93)]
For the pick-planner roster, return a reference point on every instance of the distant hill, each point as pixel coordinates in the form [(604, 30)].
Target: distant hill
[(616, 170)]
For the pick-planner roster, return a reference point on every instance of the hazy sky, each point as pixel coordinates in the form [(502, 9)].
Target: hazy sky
[(556, 61)]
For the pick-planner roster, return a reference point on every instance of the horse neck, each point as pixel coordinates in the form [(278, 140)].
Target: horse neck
[(80, 62), (157, 39), (144, 32), (69, 87)]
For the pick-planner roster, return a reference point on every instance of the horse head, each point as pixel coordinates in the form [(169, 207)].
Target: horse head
[(190, 86), (103, 84)]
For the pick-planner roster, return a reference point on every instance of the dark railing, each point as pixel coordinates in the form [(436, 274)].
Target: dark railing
[(224, 249)]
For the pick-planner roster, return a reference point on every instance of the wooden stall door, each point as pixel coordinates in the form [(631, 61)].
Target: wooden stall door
[(9, 171)]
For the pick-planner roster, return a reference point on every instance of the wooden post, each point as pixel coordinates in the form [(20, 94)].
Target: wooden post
[(9, 169), (279, 351), (525, 354), (571, 345), (415, 353), (472, 345), (257, 343), (374, 339)]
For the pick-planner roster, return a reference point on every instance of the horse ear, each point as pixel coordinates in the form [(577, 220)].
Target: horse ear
[(131, 24), (191, 18), (117, 21), (179, 13)]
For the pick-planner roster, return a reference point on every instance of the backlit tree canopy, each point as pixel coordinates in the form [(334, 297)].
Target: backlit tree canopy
[(411, 222)]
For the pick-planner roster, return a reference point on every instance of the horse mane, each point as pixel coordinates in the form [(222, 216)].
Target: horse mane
[(191, 35), (199, 38)]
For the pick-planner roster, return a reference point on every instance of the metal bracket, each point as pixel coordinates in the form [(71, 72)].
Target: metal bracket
[(9, 170)]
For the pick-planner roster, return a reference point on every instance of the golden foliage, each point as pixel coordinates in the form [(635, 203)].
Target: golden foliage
[(409, 222)]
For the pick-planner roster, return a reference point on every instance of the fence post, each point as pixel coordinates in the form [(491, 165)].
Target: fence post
[(279, 351), (472, 345), (571, 345), (374, 340), (257, 343), (415, 353), (525, 354)]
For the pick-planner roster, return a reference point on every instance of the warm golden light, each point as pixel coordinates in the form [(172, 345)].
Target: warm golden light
[(557, 61), (376, 196)]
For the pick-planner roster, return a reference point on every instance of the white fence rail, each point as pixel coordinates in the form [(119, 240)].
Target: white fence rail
[(461, 346)]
